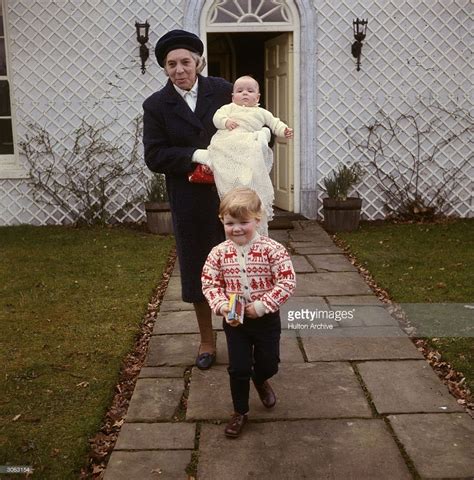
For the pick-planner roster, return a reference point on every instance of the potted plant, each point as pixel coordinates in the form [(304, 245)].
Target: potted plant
[(157, 207), (341, 212)]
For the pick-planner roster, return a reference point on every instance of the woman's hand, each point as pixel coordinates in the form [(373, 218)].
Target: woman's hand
[(288, 132), (250, 311), (231, 124), (207, 169)]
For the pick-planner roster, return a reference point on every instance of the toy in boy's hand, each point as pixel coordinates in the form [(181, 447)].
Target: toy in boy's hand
[(237, 307)]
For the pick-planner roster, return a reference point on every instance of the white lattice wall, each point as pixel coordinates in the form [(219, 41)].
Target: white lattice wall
[(78, 59), (415, 51), (74, 60)]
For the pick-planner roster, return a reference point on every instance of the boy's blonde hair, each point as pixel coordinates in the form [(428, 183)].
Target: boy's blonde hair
[(240, 203)]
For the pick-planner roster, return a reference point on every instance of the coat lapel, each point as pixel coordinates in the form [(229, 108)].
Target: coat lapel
[(204, 100), (180, 107)]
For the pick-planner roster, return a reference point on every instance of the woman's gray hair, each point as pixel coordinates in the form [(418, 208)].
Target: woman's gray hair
[(200, 62)]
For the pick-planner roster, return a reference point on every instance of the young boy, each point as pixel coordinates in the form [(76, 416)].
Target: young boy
[(260, 270), (239, 154)]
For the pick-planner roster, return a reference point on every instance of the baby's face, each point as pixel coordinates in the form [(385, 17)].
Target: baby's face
[(246, 92)]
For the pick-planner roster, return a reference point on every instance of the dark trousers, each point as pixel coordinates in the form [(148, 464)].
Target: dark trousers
[(254, 352)]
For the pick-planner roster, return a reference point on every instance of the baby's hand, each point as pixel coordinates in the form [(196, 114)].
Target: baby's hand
[(288, 132), (231, 124), (250, 311)]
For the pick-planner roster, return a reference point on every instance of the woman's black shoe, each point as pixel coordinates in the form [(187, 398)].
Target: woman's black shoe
[(205, 360)]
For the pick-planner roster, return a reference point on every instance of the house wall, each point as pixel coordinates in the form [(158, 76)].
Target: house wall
[(77, 60), (416, 52)]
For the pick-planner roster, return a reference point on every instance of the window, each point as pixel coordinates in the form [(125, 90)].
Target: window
[(250, 12), (9, 167)]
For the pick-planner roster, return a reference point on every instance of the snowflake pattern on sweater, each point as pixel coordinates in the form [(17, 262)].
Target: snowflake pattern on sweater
[(260, 271)]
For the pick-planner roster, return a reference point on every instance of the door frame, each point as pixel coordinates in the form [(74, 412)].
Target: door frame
[(304, 86)]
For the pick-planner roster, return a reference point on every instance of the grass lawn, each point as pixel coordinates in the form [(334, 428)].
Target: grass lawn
[(71, 304), (423, 263)]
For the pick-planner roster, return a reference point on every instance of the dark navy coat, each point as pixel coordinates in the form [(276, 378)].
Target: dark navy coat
[(171, 134)]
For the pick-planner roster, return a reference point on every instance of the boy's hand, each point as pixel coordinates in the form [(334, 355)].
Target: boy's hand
[(231, 124), (225, 311), (288, 132), (250, 311)]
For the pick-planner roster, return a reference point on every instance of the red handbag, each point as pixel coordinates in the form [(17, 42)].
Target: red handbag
[(201, 174)]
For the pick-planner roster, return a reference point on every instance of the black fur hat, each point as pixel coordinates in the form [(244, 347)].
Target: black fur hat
[(174, 40)]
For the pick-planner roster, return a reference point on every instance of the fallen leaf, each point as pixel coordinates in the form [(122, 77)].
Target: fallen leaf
[(98, 469)]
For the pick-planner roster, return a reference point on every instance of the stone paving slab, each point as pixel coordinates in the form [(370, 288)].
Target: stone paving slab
[(162, 372), (337, 348), (156, 436), (176, 272), (317, 390), (369, 316), (331, 263), (155, 399), (279, 235), (289, 349), (175, 306), (319, 449), (312, 243), (317, 249), (172, 350), (150, 465), (301, 264), (180, 322), (304, 302), (440, 445), (349, 300), (406, 387), (333, 283), (313, 237), (173, 290)]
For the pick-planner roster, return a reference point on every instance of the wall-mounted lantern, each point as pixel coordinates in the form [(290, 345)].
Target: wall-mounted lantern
[(142, 38), (360, 29)]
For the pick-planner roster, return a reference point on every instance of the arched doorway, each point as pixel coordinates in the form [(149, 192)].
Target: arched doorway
[(267, 21)]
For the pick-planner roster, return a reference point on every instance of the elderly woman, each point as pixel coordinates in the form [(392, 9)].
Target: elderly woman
[(177, 127)]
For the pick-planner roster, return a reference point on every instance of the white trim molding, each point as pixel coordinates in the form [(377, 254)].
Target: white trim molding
[(10, 167)]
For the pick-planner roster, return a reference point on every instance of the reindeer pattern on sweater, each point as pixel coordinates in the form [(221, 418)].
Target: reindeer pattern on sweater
[(260, 271)]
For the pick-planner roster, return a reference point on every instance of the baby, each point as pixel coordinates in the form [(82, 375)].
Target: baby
[(239, 155)]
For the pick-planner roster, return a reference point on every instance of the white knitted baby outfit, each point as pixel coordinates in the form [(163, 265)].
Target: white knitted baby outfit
[(242, 157)]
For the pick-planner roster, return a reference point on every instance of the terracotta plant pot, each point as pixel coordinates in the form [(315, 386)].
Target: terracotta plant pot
[(341, 215), (158, 216)]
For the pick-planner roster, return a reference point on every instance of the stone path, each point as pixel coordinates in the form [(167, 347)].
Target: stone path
[(356, 399)]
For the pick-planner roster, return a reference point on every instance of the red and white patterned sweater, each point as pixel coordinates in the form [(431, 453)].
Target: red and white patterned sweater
[(261, 271)]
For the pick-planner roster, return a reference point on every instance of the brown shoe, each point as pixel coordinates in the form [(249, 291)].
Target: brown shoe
[(235, 425), (266, 394)]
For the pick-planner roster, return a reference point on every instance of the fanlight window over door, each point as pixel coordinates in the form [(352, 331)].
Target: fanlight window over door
[(250, 13)]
